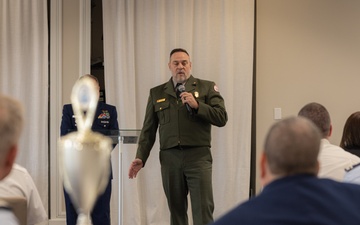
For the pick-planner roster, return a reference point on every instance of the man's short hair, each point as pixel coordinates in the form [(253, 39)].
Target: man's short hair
[(90, 76), (292, 147), (178, 50), (319, 115), (11, 122)]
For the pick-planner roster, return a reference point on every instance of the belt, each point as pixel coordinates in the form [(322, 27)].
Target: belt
[(183, 147)]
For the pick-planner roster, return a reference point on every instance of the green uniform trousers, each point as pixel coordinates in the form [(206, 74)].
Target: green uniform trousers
[(188, 170)]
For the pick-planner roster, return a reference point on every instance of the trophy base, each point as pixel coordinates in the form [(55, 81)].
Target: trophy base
[(83, 219)]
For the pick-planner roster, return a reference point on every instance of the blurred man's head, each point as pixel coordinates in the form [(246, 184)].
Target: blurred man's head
[(11, 124), (96, 81), (291, 147)]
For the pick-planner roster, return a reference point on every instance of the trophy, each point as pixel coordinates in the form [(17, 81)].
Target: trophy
[(84, 156)]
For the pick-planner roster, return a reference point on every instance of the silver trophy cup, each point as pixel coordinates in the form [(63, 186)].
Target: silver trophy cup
[(84, 156)]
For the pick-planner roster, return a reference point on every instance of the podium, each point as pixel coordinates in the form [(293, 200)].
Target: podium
[(121, 138)]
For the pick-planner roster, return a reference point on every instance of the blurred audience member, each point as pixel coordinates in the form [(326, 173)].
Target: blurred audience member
[(293, 194), (333, 159), (350, 140), (11, 124)]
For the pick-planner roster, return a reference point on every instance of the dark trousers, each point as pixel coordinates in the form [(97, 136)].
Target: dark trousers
[(100, 214), (188, 170)]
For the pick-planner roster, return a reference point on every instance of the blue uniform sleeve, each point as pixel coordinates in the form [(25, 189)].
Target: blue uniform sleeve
[(114, 125)]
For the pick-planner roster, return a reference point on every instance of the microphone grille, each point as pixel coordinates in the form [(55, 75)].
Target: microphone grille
[(181, 88)]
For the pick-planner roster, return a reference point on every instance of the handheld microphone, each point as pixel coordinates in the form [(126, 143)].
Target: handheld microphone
[(181, 89)]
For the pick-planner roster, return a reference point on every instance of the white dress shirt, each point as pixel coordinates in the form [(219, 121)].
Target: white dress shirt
[(20, 183), (334, 160), (7, 217)]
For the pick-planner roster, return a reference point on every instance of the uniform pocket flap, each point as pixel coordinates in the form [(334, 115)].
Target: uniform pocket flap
[(161, 106)]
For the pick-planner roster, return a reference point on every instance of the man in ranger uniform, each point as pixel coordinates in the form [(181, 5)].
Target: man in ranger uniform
[(184, 108)]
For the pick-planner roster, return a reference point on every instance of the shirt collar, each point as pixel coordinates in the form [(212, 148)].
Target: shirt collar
[(175, 83)]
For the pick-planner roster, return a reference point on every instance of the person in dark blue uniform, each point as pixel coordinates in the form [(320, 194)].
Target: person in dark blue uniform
[(104, 122), (293, 193)]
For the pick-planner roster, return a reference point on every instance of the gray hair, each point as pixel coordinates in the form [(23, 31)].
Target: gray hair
[(292, 147), (11, 123)]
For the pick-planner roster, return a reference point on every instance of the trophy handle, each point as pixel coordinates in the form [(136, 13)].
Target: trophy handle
[(78, 150), (84, 99)]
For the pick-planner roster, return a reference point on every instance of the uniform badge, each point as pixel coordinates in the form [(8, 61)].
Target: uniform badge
[(216, 88), (196, 94), (160, 100), (104, 115)]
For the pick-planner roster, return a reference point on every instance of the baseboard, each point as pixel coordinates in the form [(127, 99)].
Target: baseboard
[(57, 222)]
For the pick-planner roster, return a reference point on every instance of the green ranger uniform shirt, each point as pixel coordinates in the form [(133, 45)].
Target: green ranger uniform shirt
[(176, 126)]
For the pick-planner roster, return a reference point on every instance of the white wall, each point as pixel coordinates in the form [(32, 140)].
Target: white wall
[(307, 51), (71, 62)]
